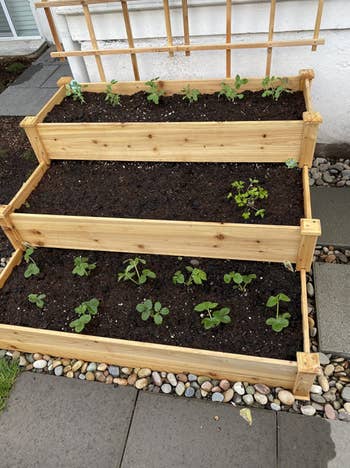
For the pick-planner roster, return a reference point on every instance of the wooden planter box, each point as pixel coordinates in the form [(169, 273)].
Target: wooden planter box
[(251, 141), (297, 375)]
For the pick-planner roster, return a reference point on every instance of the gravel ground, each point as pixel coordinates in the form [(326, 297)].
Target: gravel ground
[(330, 395), (325, 172)]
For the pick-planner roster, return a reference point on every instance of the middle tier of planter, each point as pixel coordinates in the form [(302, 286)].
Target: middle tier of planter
[(167, 208)]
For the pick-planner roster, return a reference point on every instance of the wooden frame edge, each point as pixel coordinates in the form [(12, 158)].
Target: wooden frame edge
[(15, 260), (28, 187)]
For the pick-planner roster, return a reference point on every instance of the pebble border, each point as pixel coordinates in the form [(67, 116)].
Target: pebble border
[(330, 395), (325, 172)]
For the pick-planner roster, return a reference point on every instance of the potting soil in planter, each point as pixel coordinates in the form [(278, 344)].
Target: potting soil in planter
[(246, 334), (172, 191), (136, 108)]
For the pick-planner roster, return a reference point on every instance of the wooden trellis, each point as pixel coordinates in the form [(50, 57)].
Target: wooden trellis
[(186, 47)]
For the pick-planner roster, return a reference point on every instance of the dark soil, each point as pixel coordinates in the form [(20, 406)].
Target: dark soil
[(5, 247), (117, 317), (10, 68), (17, 159), (173, 191), (210, 107)]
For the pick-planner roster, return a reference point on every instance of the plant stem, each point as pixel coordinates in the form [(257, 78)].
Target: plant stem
[(277, 308)]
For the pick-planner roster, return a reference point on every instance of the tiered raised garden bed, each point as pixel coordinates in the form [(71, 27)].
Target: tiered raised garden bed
[(215, 142)]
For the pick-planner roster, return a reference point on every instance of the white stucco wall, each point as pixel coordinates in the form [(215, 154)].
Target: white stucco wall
[(294, 19)]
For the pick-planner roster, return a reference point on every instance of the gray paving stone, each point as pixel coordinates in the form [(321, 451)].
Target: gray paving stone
[(16, 100), (332, 290), (54, 422), (171, 432), (62, 70), (332, 206), (35, 76), (312, 442)]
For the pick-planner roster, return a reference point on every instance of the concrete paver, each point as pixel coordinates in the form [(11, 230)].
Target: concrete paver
[(332, 291), (169, 432), (54, 422)]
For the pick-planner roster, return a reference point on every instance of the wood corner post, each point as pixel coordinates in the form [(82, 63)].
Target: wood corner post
[(311, 120), (308, 368), (8, 228), (306, 74), (310, 230), (63, 81), (30, 127)]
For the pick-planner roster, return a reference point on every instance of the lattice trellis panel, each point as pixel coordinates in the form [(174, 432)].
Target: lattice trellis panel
[(186, 46)]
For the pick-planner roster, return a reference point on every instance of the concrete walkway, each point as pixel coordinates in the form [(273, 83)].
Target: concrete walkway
[(62, 423), (32, 89)]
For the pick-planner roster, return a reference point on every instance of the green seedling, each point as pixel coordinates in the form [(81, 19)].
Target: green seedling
[(86, 310), (241, 281), (32, 268), (147, 309), (291, 163), (37, 299), (154, 92), (74, 89), (191, 95), (247, 197), (112, 98), (278, 322), (211, 317), (133, 273), (196, 276), (82, 267), (231, 93), (274, 87)]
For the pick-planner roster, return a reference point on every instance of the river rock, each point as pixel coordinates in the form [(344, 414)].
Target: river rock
[(238, 387), (219, 397), (345, 394), (141, 383), (180, 388), (308, 410), (286, 397), (260, 398), (261, 388), (228, 395), (40, 364), (166, 388), (330, 412)]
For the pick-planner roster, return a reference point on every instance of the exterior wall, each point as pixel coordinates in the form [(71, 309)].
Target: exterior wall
[(294, 19)]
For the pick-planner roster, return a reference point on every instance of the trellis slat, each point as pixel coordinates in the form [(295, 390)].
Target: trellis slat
[(129, 35), (228, 36), (185, 25), (168, 25), (318, 22), (92, 35), (270, 36)]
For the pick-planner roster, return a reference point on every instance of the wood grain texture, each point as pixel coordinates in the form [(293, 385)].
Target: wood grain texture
[(212, 240), (306, 193), (310, 230), (12, 263), (308, 369), (273, 372), (304, 312), (28, 187), (171, 141)]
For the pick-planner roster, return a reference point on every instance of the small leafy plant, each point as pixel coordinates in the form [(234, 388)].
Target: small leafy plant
[(191, 95), (196, 276), (274, 87), (291, 163), (9, 369), (82, 267), (147, 309), (85, 311), (241, 281), (154, 92), (133, 273), (211, 317), (74, 89), (37, 299), (231, 93), (278, 322), (112, 98), (15, 67), (32, 268), (246, 197)]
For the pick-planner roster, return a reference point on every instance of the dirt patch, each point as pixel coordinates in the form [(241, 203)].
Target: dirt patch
[(210, 107), (11, 68), (174, 191), (117, 317)]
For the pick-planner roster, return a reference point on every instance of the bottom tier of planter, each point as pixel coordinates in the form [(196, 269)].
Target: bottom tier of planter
[(244, 349)]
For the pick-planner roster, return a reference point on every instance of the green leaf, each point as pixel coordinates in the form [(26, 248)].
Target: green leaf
[(142, 279), (81, 309), (283, 297), (164, 311), (222, 312), (270, 321), (29, 251), (238, 278), (141, 307), (205, 306), (272, 301), (178, 277), (286, 315), (31, 270), (158, 319), (157, 306), (246, 215), (208, 323), (148, 273), (92, 305), (228, 278), (146, 314), (149, 304), (86, 318)]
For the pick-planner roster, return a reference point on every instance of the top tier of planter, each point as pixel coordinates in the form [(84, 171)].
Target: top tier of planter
[(234, 141)]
